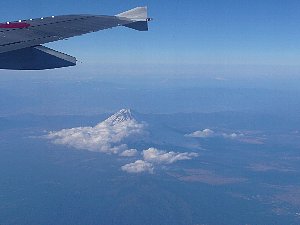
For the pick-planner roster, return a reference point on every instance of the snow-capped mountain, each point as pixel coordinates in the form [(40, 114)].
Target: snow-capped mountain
[(107, 136), (114, 135), (124, 115)]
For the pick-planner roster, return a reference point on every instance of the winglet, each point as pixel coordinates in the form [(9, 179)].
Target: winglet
[(137, 14), (139, 18)]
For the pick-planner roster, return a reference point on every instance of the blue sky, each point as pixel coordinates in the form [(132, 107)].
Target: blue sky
[(194, 32)]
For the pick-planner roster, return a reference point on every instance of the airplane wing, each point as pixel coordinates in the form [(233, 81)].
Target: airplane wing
[(21, 42)]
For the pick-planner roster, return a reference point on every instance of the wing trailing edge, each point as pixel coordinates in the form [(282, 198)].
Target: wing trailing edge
[(35, 58)]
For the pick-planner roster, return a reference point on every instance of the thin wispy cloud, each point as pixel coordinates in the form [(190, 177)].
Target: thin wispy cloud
[(233, 135), (208, 133), (202, 134)]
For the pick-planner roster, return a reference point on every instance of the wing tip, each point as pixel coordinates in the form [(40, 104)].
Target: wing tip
[(137, 13)]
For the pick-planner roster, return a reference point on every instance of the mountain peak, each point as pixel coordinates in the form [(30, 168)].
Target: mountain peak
[(121, 116)]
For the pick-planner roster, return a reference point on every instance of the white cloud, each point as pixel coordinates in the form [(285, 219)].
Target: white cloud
[(111, 137), (206, 133), (138, 166), (154, 155), (129, 153), (233, 135), (201, 134), (107, 137)]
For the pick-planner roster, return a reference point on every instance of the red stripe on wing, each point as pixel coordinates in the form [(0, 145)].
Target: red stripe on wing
[(14, 25)]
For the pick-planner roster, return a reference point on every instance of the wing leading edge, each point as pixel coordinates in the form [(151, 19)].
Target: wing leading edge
[(20, 42)]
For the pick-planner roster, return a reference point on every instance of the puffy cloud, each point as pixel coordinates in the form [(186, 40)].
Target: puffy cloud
[(138, 166), (201, 134), (154, 155), (106, 137), (111, 137), (129, 153)]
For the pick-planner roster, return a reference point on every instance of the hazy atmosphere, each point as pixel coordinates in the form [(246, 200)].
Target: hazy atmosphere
[(194, 122)]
